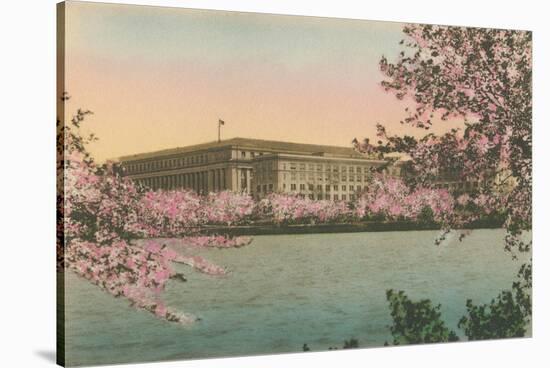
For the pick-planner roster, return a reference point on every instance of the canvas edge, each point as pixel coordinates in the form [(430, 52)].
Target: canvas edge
[(60, 184)]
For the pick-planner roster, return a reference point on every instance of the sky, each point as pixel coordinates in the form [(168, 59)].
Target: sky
[(159, 77)]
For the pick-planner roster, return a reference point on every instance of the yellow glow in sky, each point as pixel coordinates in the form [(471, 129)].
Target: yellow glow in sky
[(159, 77)]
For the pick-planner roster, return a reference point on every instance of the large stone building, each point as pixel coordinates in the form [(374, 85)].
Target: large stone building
[(257, 167)]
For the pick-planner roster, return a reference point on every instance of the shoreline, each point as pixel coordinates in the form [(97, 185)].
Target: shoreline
[(371, 226)]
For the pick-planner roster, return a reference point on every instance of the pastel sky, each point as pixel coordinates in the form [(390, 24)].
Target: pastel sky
[(160, 78)]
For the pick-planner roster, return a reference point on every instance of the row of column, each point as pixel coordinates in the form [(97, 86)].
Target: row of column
[(244, 180), (200, 182), (217, 180)]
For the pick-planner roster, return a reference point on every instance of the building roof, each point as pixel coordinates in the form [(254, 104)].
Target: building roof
[(319, 158), (250, 143)]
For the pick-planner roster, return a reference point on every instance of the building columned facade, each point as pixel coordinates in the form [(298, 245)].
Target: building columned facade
[(257, 167), (317, 176)]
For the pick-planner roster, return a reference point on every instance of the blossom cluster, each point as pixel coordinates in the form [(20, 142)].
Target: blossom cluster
[(101, 214), (390, 198), (284, 208), (123, 270), (484, 78), (227, 207)]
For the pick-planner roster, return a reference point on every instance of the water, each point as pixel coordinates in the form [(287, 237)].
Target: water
[(287, 290)]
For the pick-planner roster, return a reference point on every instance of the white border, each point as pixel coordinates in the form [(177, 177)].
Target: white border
[(27, 86)]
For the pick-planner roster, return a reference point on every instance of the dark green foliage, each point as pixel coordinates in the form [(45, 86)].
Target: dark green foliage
[(426, 215), (351, 344), (508, 315), (416, 322)]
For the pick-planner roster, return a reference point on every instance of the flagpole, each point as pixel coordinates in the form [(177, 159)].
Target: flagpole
[(220, 123)]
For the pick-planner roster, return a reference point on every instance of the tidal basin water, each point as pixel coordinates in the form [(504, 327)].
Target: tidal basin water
[(287, 290)]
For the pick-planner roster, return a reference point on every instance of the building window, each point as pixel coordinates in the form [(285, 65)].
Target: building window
[(343, 187), (271, 187), (265, 188), (243, 154), (327, 187), (310, 186), (319, 196), (292, 166), (344, 178), (336, 197), (258, 188), (319, 187), (336, 187), (310, 196), (292, 186), (302, 187), (343, 197), (351, 188), (284, 186), (327, 196), (352, 197)]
